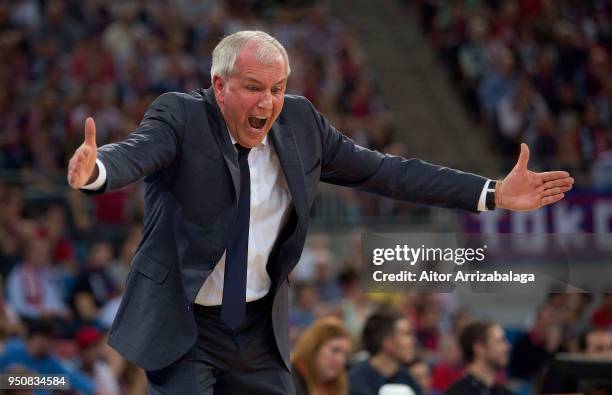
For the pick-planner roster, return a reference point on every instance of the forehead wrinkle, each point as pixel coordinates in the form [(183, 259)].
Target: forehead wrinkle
[(247, 62)]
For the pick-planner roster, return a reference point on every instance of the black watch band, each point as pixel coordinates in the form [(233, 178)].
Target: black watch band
[(490, 196)]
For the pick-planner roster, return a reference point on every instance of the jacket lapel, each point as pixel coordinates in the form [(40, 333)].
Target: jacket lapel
[(289, 157), (221, 135)]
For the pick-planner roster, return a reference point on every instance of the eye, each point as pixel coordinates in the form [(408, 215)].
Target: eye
[(252, 88), (276, 90)]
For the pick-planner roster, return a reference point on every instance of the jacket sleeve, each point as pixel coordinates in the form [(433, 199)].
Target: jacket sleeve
[(151, 147), (345, 163)]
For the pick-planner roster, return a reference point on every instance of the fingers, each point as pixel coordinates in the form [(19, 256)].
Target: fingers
[(560, 182), (554, 175), (552, 199), (556, 191), (556, 184), (523, 158), (563, 183), (90, 132)]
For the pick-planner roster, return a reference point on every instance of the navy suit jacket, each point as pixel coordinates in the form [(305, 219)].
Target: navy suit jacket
[(191, 175)]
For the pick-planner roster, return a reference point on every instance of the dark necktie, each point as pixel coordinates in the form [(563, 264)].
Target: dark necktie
[(234, 280)]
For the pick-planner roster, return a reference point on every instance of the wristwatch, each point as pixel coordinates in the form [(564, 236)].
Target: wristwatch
[(490, 196)]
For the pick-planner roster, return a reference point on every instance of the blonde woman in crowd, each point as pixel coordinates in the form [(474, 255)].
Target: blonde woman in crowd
[(319, 359)]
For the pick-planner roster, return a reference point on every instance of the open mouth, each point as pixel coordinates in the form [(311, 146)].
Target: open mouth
[(257, 122)]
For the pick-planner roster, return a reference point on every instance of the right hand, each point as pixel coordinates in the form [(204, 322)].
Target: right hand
[(82, 169)]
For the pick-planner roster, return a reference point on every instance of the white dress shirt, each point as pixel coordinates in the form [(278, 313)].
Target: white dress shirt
[(270, 202)]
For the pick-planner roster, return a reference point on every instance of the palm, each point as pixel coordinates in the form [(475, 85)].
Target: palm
[(524, 190), (83, 162)]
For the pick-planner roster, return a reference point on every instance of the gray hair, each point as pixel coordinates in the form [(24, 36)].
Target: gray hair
[(225, 53)]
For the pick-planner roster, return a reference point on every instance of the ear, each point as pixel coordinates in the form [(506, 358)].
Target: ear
[(387, 344), (218, 85), (478, 349)]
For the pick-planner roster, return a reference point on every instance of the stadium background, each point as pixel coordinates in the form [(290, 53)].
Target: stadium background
[(458, 83)]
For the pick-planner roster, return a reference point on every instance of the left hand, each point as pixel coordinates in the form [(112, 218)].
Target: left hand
[(525, 190)]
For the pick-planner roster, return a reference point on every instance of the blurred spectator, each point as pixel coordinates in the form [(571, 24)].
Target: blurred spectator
[(485, 350), (324, 277), (316, 245), (601, 173), (593, 343), (10, 325), (534, 349), (497, 83), (474, 60), (577, 318), (355, 307), (32, 286), (114, 212), (90, 361), (62, 248), (13, 227), (36, 355), (419, 370), (545, 145), (428, 322), (120, 266), (449, 368), (596, 342), (388, 338), (303, 312), (95, 286), (602, 316), (518, 114), (319, 359)]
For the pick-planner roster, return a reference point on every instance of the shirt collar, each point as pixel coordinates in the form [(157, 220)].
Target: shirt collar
[(477, 382), (264, 142)]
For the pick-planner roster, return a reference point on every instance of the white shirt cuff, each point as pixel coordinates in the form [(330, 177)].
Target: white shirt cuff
[(97, 184), (482, 202)]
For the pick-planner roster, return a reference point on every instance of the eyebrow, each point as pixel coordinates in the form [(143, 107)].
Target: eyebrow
[(251, 79)]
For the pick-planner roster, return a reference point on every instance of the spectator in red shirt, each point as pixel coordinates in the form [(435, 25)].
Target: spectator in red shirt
[(602, 316)]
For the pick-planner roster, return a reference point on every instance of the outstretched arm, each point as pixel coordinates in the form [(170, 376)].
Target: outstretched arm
[(345, 163)]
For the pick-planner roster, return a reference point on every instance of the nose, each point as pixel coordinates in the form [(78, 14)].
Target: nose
[(266, 101)]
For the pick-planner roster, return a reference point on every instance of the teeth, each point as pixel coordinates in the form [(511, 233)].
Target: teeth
[(260, 117)]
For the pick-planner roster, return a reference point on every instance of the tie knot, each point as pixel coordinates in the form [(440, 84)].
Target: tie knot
[(242, 151)]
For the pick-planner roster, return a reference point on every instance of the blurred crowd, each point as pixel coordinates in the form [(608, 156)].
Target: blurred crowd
[(64, 60), (64, 256), (535, 71), (419, 342), (344, 341)]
